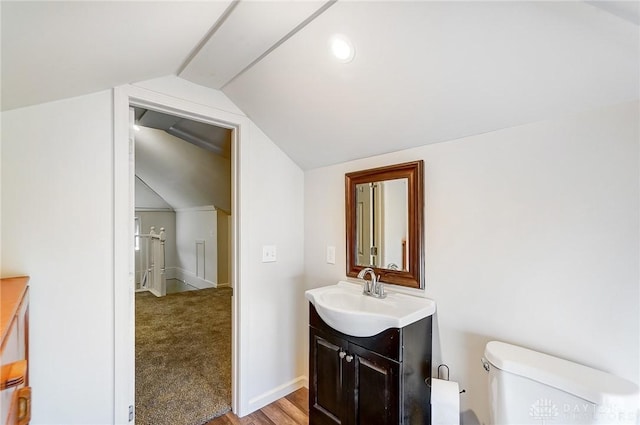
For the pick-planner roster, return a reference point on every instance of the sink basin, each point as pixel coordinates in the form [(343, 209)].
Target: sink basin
[(346, 309)]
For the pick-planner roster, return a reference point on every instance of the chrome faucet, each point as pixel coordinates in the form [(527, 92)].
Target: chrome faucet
[(373, 287)]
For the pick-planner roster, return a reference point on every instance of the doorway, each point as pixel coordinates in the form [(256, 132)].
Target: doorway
[(124, 180), (183, 296)]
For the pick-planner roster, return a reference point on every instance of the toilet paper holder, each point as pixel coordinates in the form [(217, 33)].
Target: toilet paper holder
[(441, 376)]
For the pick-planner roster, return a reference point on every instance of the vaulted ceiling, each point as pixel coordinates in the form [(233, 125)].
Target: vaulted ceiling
[(423, 71)]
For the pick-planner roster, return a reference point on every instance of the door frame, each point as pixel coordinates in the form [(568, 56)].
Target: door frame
[(123, 231)]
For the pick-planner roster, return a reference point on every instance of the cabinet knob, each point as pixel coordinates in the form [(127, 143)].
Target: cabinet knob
[(342, 354), (349, 358)]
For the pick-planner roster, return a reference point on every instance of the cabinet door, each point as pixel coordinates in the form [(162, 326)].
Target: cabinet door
[(327, 395), (375, 395)]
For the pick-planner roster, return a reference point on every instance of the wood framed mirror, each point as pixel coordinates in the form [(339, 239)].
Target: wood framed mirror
[(384, 223)]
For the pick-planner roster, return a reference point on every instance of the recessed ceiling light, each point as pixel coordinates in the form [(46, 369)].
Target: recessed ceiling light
[(342, 49)]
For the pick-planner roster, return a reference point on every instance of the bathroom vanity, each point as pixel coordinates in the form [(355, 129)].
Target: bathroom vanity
[(369, 350), (378, 379)]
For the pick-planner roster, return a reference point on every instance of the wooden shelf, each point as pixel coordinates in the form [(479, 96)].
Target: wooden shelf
[(15, 394), (12, 292), (13, 374)]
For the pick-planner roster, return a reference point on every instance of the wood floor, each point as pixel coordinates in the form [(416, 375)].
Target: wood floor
[(290, 410)]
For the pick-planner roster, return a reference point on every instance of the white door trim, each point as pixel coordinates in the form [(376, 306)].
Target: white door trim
[(123, 201)]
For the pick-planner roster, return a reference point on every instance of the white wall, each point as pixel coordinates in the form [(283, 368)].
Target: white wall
[(277, 327), (57, 227), (197, 224), (59, 155), (532, 238)]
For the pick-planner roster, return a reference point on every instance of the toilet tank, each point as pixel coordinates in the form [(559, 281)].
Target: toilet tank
[(528, 387)]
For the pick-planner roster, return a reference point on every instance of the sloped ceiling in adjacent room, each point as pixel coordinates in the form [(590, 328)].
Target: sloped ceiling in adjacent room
[(148, 199), (183, 174), (206, 136), (423, 71)]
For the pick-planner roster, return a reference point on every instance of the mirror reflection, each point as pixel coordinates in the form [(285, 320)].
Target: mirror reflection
[(382, 224)]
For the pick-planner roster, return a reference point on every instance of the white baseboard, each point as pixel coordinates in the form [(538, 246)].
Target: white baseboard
[(276, 393), (193, 280)]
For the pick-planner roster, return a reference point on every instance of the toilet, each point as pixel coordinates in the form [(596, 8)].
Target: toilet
[(528, 387)]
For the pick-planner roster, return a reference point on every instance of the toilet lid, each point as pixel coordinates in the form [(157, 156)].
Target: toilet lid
[(590, 384)]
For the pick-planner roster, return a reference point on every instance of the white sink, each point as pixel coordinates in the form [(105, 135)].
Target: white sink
[(346, 309)]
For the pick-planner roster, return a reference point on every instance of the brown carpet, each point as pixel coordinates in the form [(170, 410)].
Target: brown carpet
[(183, 357)]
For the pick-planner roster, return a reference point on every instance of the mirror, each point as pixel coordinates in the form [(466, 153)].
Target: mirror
[(384, 223)]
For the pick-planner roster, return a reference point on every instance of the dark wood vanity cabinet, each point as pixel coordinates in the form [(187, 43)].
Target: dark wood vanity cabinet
[(377, 380)]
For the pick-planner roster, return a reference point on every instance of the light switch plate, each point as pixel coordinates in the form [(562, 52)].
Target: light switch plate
[(268, 253), (331, 254)]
